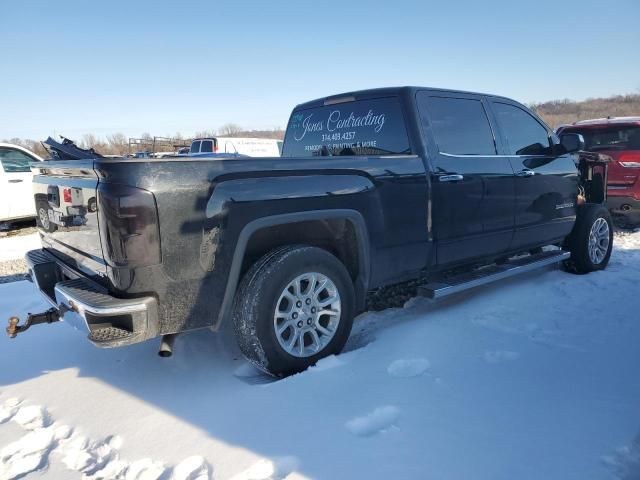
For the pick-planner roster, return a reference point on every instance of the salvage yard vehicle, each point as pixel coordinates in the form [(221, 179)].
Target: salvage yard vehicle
[(16, 197), (618, 137), (251, 147), (373, 188)]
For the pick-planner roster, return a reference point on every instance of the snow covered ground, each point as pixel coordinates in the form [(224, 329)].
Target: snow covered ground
[(532, 378), (13, 248)]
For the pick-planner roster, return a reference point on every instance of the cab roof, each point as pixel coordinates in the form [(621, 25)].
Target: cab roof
[(603, 122), (406, 91)]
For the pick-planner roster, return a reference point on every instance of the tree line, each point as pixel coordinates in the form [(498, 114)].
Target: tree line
[(118, 143), (558, 112), (555, 112)]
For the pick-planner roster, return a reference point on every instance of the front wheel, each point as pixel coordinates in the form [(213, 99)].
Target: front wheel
[(293, 307), (591, 240)]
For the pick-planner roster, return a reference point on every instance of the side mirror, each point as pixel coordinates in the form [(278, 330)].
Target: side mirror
[(572, 142)]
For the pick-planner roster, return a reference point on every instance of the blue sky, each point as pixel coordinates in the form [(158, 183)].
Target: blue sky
[(75, 67)]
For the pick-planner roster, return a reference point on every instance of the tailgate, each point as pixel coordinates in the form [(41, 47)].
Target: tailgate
[(66, 207)]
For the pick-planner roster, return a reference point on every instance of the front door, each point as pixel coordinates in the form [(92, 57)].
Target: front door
[(17, 196), (473, 187), (546, 183)]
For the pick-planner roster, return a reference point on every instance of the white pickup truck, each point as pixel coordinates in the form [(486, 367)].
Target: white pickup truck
[(16, 195), (251, 147)]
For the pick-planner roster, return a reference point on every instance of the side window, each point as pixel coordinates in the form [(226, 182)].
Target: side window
[(206, 147), (195, 147), (14, 161), (525, 135), (460, 126)]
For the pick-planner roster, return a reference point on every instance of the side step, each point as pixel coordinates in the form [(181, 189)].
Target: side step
[(492, 273), (108, 335)]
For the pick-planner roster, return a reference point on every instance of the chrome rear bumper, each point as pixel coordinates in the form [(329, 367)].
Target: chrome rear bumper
[(108, 320)]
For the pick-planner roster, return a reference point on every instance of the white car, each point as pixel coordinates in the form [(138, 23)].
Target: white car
[(16, 193)]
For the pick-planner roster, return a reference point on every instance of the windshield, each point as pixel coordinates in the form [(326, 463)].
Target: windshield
[(610, 138), (363, 127)]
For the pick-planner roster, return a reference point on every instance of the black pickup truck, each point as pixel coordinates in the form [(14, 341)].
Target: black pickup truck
[(373, 188)]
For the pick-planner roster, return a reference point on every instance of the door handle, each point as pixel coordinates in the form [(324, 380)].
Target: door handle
[(451, 178), (15, 180), (525, 173)]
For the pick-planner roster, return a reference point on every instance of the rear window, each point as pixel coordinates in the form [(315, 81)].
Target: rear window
[(609, 138), (362, 127), (460, 125), (207, 146)]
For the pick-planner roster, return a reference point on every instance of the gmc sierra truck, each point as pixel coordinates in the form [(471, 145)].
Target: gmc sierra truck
[(373, 188)]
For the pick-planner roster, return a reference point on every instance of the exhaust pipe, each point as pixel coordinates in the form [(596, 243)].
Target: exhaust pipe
[(626, 207), (166, 345)]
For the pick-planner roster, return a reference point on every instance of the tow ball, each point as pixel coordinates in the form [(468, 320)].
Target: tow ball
[(48, 316)]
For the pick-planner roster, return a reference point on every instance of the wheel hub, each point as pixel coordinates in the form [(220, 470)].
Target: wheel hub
[(598, 241), (44, 217), (307, 314)]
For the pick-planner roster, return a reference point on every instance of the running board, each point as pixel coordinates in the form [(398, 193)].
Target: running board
[(492, 273)]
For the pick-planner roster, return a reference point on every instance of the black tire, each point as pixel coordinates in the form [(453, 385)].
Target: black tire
[(42, 219), (581, 260), (257, 299)]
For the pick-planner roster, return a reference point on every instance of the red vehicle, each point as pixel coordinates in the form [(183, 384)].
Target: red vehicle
[(618, 137)]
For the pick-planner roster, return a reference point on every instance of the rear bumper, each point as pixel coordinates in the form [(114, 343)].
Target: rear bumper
[(109, 321)]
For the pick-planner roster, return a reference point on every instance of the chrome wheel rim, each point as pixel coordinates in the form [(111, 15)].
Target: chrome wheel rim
[(44, 218), (307, 314), (598, 241)]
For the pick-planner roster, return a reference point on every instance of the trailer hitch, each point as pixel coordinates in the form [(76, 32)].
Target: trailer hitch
[(48, 316)]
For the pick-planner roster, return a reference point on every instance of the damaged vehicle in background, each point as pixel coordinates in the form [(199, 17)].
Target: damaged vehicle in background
[(619, 138), (373, 188)]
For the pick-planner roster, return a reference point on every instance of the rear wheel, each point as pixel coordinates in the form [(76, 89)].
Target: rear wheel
[(294, 307), (591, 240), (42, 216)]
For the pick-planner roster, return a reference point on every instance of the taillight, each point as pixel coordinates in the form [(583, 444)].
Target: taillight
[(128, 221), (66, 195)]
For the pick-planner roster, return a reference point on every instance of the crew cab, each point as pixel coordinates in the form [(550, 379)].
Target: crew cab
[(15, 182), (618, 137), (373, 188)]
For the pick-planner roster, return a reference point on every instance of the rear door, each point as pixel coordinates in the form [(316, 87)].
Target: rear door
[(16, 179), (473, 187), (546, 184)]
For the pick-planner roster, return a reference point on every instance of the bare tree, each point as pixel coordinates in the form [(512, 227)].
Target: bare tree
[(118, 144), (89, 140), (205, 134), (229, 129)]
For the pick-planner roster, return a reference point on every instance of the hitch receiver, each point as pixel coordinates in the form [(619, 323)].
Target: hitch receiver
[(48, 316)]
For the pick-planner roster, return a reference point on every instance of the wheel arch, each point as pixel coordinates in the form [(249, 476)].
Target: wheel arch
[(253, 228)]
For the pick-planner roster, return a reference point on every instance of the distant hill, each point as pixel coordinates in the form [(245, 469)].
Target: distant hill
[(557, 112)]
